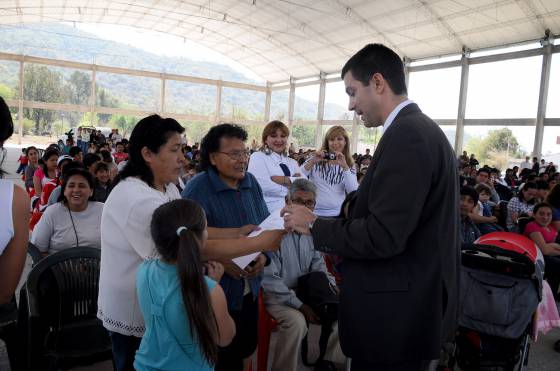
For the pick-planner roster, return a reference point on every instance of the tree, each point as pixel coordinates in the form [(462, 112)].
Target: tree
[(304, 135), (496, 148), (42, 85), (105, 99), (6, 92)]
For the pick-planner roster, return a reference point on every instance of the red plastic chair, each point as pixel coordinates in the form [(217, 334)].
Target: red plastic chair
[(267, 324)]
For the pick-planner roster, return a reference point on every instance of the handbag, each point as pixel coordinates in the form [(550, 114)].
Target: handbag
[(314, 289)]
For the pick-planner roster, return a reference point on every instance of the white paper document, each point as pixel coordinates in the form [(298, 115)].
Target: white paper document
[(274, 221)]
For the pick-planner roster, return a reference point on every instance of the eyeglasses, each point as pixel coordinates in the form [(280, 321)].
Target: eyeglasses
[(237, 155), (306, 203)]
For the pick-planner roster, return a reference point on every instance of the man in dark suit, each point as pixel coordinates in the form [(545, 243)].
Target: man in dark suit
[(400, 242)]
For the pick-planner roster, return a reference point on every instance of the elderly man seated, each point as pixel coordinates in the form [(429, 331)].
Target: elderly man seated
[(295, 258)]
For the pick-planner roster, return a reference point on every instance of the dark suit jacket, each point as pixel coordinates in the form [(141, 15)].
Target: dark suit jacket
[(400, 247)]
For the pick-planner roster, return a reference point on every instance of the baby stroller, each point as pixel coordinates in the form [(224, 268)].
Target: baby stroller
[(501, 287)]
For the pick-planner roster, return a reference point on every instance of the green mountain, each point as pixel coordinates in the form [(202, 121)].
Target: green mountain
[(59, 41)]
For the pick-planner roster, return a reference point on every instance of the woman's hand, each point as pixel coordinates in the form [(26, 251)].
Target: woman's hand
[(341, 160)]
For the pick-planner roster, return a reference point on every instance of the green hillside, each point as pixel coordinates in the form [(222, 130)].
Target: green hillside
[(53, 84)]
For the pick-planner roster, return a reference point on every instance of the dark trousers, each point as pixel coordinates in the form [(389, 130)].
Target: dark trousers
[(552, 273), (244, 343), (361, 365), (124, 350)]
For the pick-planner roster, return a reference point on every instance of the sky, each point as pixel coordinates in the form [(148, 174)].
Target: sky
[(507, 89)]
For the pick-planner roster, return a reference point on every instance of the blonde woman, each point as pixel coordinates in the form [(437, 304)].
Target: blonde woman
[(332, 170)]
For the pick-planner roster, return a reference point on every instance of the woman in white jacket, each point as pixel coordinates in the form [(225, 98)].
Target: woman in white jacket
[(272, 167), (332, 170)]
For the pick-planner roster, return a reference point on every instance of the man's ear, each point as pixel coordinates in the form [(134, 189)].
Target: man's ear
[(378, 82), (212, 158)]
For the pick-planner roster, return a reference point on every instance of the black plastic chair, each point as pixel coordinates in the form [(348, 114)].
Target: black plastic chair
[(58, 308), (34, 252), (8, 331)]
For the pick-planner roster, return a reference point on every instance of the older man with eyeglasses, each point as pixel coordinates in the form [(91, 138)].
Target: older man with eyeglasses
[(234, 204), (295, 258)]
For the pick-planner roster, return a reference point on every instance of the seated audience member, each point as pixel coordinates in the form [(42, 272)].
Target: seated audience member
[(295, 258), (185, 312), (544, 236), (90, 159), (76, 153), (542, 191), (522, 204), (72, 222), (483, 176), (469, 198), (93, 148), (553, 199), (120, 155), (482, 212), (46, 172), (102, 184), (551, 183), (64, 168), (108, 159), (33, 163)]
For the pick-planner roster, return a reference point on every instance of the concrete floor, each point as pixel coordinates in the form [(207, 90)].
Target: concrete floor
[(542, 356)]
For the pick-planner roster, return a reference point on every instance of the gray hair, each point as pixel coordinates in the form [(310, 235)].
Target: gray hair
[(302, 185)]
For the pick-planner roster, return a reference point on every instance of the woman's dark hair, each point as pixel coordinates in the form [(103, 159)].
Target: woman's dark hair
[(377, 58), (151, 132), (540, 205), (6, 129), (28, 149), (70, 172), (184, 251), (553, 197), (49, 152), (73, 151), (211, 141), (526, 187)]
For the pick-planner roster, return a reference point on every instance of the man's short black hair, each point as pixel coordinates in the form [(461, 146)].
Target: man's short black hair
[(469, 191), (483, 170), (377, 58), (541, 184), (73, 151), (90, 159), (211, 141)]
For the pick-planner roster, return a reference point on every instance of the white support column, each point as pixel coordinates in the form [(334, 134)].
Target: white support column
[(543, 97), (93, 98), (218, 112), (20, 102), (291, 102), (406, 63), (355, 134), (267, 102), (460, 128), (162, 95), (320, 110)]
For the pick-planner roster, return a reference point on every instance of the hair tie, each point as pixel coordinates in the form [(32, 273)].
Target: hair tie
[(181, 229)]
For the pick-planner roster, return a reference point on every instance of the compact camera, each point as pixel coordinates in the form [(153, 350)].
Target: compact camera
[(329, 156)]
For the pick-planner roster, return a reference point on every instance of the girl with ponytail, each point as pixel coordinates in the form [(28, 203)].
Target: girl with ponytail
[(185, 312)]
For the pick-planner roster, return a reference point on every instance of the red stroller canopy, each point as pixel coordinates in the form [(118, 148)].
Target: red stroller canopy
[(512, 242)]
